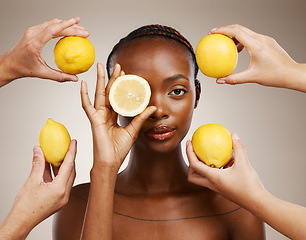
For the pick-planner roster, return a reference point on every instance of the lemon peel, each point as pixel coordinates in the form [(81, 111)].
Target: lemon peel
[(212, 143), (216, 55), (74, 54), (54, 140)]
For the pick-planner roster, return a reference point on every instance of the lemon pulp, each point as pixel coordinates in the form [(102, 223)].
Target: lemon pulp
[(129, 95)]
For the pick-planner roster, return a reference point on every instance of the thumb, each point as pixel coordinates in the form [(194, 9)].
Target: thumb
[(134, 127), (38, 164), (237, 78), (50, 73), (240, 154)]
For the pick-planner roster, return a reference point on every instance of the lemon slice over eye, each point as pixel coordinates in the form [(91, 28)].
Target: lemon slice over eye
[(129, 95)]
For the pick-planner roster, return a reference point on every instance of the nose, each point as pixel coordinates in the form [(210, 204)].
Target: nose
[(161, 105)]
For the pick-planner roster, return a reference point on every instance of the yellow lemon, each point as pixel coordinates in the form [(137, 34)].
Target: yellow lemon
[(212, 143), (129, 95), (54, 140), (216, 55), (74, 55)]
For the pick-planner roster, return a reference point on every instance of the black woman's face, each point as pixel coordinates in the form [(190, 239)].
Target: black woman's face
[(166, 65)]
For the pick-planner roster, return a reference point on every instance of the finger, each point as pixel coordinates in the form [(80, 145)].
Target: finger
[(74, 30), (38, 165), (240, 154), (86, 103), (100, 88), (198, 179), (53, 30), (196, 164), (47, 177), (237, 78), (241, 33), (52, 74), (115, 75), (68, 166), (134, 127)]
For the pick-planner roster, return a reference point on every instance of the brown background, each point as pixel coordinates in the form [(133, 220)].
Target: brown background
[(270, 121)]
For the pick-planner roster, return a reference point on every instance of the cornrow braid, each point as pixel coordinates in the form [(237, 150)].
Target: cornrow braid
[(154, 31)]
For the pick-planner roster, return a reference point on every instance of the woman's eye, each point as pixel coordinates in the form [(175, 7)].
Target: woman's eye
[(178, 92)]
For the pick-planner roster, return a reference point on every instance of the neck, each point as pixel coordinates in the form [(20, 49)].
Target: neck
[(154, 173)]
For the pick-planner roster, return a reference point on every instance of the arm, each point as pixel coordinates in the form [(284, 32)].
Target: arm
[(269, 65), (25, 58), (111, 144), (39, 199), (241, 184)]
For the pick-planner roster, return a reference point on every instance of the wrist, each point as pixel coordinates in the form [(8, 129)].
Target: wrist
[(15, 227), (295, 77), (7, 71), (103, 172)]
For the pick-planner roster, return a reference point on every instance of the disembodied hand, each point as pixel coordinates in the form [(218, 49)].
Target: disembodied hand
[(235, 182), (41, 196), (25, 58), (270, 65)]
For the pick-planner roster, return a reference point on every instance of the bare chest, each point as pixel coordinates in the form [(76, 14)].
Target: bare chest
[(158, 219)]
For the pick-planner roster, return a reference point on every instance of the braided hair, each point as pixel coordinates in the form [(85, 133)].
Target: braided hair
[(155, 31)]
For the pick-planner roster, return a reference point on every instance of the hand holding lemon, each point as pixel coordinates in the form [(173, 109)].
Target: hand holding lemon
[(212, 143), (216, 55)]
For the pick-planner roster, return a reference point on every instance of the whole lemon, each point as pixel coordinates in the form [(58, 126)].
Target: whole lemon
[(216, 55), (212, 143), (74, 55), (54, 141)]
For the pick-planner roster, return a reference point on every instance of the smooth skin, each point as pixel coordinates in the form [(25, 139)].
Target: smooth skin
[(41, 196), (239, 182), (25, 58), (151, 198)]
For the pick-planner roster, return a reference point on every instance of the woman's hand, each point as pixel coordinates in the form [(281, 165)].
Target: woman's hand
[(25, 58), (111, 142), (269, 65)]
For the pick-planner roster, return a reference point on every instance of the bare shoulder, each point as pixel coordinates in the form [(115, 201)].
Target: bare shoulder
[(68, 222), (242, 222)]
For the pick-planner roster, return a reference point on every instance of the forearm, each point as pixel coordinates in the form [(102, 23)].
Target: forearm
[(14, 227), (98, 222), (287, 218), (7, 73), (295, 77)]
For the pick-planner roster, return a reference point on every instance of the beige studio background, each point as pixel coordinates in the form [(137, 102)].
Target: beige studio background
[(270, 121)]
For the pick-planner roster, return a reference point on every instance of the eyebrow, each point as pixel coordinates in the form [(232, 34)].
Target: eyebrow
[(176, 77)]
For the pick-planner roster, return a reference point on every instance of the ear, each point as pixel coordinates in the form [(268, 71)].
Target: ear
[(198, 92)]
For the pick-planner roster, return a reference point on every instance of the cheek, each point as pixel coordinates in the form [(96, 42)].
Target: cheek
[(183, 112)]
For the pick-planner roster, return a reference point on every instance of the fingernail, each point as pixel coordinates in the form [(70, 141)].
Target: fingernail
[(220, 81), (235, 136), (213, 29), (36, 151)]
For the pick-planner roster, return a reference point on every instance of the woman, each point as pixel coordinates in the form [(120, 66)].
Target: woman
[(151, 198)]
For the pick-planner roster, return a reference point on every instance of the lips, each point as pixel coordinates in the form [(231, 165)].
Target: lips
[(160, 133)]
